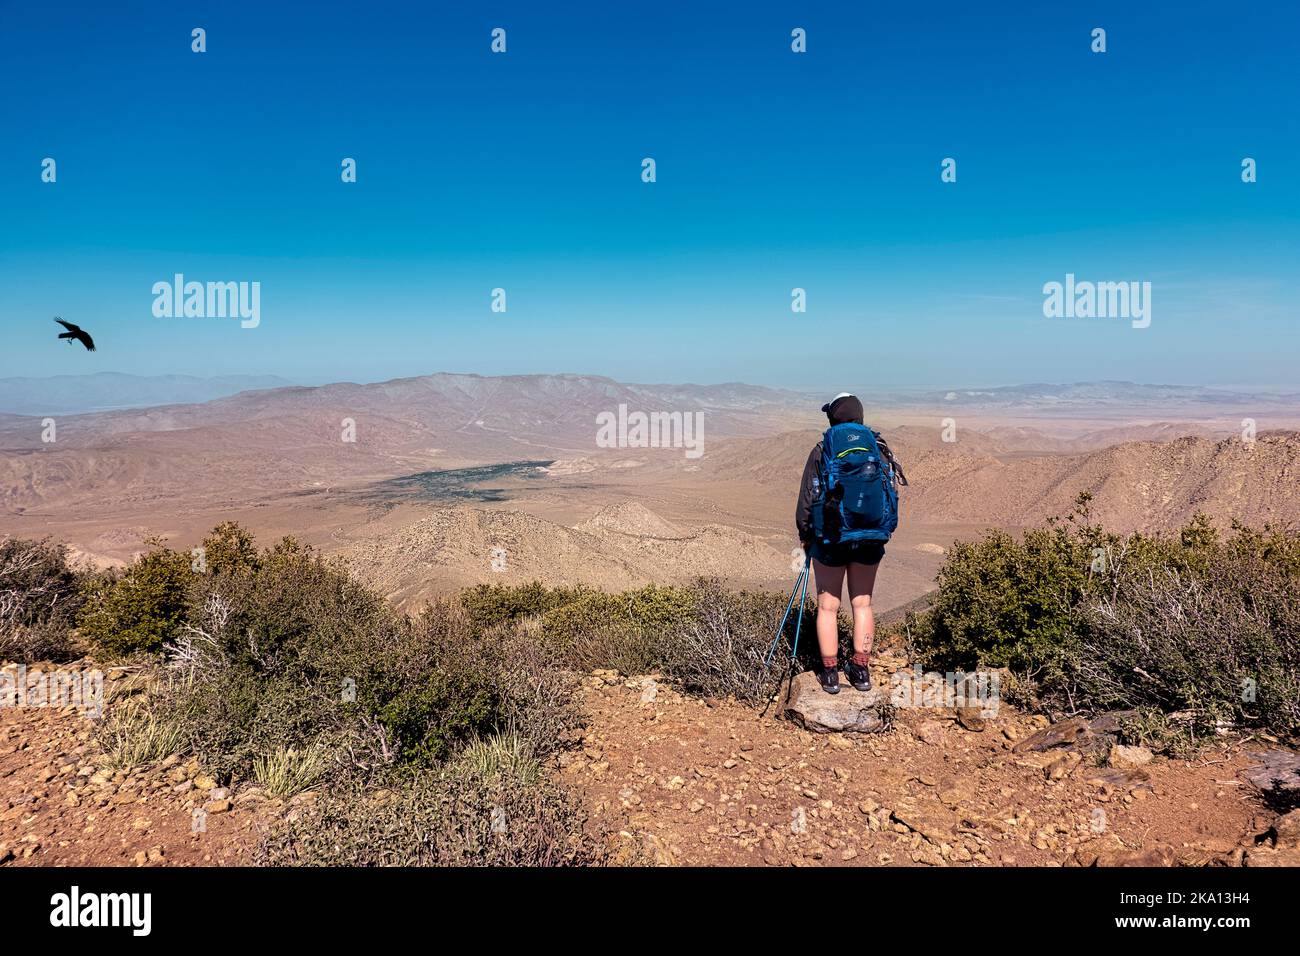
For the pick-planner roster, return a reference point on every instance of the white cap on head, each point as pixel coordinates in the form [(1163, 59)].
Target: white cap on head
[(827, 406)]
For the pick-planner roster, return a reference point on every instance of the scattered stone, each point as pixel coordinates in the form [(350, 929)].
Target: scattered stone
[(1056, 735), (1109, 722), (930, 732), (658, 850), (935, 827), (1262, 856), (1062, 766), (1276, 774), (1125, 758), (1119, 779), (1286, 831), (1159, 855), (971, 718)]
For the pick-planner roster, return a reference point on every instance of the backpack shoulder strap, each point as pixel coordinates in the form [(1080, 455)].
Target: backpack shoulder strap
[(889, 456)]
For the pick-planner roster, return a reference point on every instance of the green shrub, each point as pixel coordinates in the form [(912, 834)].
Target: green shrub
[(230, 549), (430, 721), (489, 605), (282, 652), (289, 609), (1007, 602), (1196, 624), (140, 608)]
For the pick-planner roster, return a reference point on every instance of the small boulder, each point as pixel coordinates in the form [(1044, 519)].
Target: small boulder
[(850, 711)]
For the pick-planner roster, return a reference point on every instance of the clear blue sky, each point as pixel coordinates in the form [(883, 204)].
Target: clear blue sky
[(775, 170)]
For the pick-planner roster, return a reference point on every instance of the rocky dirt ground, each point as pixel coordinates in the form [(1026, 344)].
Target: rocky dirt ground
[(60, 807), (703, 783), (681, 781)]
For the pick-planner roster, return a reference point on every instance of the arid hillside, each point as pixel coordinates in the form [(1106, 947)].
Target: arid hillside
[(1146, 485), (277, 440), (422, 483), (623, 545)]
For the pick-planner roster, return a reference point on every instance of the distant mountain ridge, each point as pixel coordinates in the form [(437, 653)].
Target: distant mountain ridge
[(332, 459), (105, 391), (113, 391), (1105, 394)]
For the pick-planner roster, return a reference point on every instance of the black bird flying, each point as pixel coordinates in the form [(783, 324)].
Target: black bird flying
[(76, 332)]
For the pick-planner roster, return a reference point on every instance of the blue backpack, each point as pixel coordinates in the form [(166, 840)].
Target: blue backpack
[(856, 499)]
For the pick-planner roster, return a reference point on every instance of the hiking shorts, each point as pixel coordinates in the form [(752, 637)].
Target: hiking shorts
[(852, 552)]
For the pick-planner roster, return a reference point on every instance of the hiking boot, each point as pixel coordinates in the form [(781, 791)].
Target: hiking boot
[(859, 676), (829, 678)]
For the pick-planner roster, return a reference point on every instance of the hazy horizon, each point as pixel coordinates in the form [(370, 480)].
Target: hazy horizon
[(901, 386)]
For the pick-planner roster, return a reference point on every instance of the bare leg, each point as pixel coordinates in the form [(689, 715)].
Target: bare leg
[(830, 585), (862, 581)]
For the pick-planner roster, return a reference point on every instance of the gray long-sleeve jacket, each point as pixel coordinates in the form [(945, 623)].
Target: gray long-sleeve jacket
[(808, 486)]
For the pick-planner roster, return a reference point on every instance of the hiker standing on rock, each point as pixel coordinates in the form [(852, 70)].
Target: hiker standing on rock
[(848, 508)]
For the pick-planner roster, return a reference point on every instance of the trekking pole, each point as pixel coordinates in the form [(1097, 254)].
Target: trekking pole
[(802, 579), (798, 625), (800, 582)]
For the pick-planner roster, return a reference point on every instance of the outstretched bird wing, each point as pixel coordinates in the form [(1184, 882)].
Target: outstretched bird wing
[(76, 332)]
